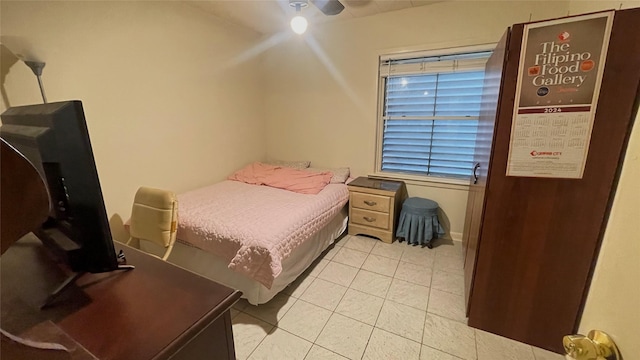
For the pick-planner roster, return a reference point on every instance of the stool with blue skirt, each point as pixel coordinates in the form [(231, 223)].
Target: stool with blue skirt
[(418, 222)]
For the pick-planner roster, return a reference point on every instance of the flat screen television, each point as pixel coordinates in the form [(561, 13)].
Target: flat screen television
[(55, 139)]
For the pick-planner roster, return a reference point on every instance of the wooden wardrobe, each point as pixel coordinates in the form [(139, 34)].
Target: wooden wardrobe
[(532, 243)]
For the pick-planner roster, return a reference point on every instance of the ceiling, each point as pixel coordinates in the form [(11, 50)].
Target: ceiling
[(270, 16)]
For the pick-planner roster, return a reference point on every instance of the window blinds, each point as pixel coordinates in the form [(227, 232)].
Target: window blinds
[(430, 114)]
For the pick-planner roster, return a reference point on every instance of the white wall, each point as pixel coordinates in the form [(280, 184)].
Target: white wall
[(165, 102), (321, 105), (613, 302)]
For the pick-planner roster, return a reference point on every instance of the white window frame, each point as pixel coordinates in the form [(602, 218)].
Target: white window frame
[(413, 178)]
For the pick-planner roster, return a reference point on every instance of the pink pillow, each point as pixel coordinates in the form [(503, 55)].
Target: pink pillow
[(300, 181), (254, 174)]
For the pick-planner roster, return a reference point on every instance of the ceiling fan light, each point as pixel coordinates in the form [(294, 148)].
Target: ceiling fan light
[(299, 24)]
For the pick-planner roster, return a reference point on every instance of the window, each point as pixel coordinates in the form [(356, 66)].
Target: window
[(428, 114)]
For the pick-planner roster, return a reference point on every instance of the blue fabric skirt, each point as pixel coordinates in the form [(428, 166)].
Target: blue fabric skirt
[(419, 222)]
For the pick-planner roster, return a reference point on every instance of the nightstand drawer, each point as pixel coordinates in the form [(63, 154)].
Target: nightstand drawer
[(370, 218), (370, 202)]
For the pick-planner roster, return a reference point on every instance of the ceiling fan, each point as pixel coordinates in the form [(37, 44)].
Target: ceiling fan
[(327, 7)]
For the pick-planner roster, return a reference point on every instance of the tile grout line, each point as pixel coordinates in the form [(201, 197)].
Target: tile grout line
[(290, 333), (350, 282), (276, 327), (261, 340), (348, 287), (391, 332), (330, 316), (534, 357), (426, 311), (334, 312), (307, 288), (386, 299), (475, 337), (444, 352), (320, 346), (448, 318), (266, 322), (325, 324), (371, 333)]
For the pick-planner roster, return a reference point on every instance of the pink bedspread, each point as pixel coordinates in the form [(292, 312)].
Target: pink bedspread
[(254, 227)]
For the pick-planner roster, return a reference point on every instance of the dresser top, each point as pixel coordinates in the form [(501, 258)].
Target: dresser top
[(146, 313), (378, 184)]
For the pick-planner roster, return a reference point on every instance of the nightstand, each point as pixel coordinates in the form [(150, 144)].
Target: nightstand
[(374, 207)]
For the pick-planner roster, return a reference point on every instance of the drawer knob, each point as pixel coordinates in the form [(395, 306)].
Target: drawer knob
[(370, 203), (369, 219)]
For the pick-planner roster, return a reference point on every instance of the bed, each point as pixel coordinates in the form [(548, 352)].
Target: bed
[(257, 236)]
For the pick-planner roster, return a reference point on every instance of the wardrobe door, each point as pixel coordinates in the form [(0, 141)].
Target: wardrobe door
[(540, 237), (478, 182)]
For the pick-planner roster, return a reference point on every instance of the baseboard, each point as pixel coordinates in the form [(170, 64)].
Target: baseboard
[(456, 236)]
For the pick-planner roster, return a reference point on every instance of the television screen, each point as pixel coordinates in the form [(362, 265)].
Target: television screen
[(54, 138)]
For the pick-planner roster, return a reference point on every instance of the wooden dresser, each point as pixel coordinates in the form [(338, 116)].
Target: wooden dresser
[(155, 311), (374, 207)]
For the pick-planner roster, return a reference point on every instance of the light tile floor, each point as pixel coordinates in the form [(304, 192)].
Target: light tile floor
[(365, 299)]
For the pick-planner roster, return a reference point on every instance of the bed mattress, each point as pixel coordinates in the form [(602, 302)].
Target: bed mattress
[(215, 268), (255, 228)]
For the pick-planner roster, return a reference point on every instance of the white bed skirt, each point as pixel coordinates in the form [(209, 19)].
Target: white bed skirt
[(212, 267)]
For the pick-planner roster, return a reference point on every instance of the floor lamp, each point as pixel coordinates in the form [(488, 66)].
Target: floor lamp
[(37, 67)]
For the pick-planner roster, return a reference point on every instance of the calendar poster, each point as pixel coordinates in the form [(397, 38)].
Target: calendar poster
[(559, 76)]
